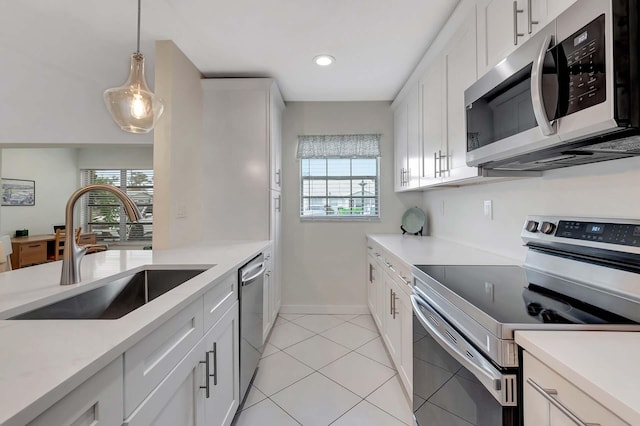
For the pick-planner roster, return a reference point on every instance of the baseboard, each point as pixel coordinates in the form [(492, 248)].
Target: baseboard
[(324, 309)]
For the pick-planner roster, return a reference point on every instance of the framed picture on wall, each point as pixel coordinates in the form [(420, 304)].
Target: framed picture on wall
[(18, 192)]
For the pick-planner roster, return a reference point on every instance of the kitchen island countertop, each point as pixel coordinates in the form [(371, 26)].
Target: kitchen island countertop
[(43, 360)]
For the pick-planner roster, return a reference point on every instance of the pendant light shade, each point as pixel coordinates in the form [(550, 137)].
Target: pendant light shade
[(133, 106)]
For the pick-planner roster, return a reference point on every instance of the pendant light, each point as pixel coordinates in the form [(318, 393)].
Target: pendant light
[(133, 106)]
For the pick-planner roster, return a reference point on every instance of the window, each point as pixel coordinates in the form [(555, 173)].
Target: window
[(339, 177), (103, 213)]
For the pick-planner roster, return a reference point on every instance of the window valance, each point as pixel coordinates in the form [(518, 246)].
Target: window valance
[(338, 146)]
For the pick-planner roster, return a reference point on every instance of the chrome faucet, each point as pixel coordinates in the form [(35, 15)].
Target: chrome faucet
[(72, 253)]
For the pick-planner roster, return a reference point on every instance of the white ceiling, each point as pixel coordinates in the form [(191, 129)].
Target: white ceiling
[(376, 43)]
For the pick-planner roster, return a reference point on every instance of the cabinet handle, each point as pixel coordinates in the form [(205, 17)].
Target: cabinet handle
[(278, 177), (516, 34), (390, 302), (207, 375), (394, 311), (277, 203), (530, 17), (371, 274), (215, 363), (439, 158), (549, 394), (435, 164), (408, 178), (34, 245), (370, 248)]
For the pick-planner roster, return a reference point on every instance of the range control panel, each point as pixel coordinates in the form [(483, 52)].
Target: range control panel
[(612, 233)]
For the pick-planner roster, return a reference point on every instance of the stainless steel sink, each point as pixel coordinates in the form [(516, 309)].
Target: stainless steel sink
[(115, 299)]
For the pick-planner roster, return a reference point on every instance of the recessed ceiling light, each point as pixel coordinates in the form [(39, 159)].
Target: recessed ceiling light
[(324, 60)]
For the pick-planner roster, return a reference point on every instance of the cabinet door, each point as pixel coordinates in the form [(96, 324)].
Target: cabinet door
[(372, 293), (275, 143), (544, 11), (276, 264), (536, 408), (178, 399), (400, 127), (460, 72), (432, 85), (223, 348), (414, 138), (497, 30), (392, 325), (267, 298), (405, 313), (380, 300), (96, 402)]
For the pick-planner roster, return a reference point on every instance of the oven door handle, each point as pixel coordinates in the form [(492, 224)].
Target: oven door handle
[(548, 128), (489, 376)]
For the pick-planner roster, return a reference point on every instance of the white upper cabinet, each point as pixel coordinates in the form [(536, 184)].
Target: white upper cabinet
[(414, 138), (460, 72), (503, 25), (400, 127), (434, 144)]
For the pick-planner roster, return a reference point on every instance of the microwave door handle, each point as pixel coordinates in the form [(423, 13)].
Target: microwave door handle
[(537, 99), (490, 378)]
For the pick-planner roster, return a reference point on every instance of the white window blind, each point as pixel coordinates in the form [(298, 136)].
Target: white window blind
[(103, 213), (339, 177)]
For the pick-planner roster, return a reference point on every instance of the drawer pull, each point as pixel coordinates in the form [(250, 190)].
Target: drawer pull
[(34, 246), (549, 395)]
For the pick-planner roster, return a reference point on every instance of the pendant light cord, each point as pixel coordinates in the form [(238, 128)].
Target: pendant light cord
[(138, 45)]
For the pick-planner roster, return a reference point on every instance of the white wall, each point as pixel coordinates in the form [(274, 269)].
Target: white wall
[(177, 212), (116, 157), (56, 175), (609, 189), (324, 262)]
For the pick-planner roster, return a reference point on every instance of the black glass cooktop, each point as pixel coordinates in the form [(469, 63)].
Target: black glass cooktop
[(510, 295)]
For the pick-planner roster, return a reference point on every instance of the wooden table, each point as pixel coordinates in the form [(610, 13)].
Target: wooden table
[(35, 249)]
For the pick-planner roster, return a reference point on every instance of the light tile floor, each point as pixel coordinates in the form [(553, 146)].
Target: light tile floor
[(320, 370)]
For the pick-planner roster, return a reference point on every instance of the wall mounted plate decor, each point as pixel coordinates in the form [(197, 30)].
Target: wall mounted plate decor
[(18, 192)]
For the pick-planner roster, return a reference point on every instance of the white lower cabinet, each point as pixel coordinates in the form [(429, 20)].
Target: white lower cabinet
[(222, 346), (551, 400), (96, 402), (390, 306), (203, 389), (392, 334)]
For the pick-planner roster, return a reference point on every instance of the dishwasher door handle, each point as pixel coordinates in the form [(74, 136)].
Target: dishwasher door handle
[(247, 280)]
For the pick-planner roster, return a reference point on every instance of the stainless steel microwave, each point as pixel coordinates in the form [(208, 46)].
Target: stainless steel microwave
[(569, 95)]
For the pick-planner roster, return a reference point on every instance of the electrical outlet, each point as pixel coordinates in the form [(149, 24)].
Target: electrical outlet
[(181, 211), (488, 209)]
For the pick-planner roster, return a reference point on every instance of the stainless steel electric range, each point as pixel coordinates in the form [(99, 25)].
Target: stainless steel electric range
[(579, 274)]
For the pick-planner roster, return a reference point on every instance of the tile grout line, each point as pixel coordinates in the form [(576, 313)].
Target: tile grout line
[(314, 370)]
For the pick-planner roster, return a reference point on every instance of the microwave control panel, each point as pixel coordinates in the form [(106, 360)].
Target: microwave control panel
[(625, 234), (584, 53)]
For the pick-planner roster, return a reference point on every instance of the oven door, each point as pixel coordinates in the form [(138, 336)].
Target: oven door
[(453, 383)]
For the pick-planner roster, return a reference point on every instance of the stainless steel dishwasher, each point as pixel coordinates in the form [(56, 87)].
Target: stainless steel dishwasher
[(251, 277)]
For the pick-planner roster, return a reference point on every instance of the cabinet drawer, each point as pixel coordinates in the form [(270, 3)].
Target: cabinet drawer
[(541, 381), (33, 253), (150, 360), (218, 300), (96, 402)]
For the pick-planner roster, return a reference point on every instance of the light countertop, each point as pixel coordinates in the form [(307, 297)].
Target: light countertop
[(417, 250), (43, 360), (602, 364)]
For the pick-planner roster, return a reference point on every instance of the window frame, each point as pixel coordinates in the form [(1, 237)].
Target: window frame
[(350, 177)]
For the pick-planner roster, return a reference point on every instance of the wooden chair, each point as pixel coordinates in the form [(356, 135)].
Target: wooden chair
[(58, 243)]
